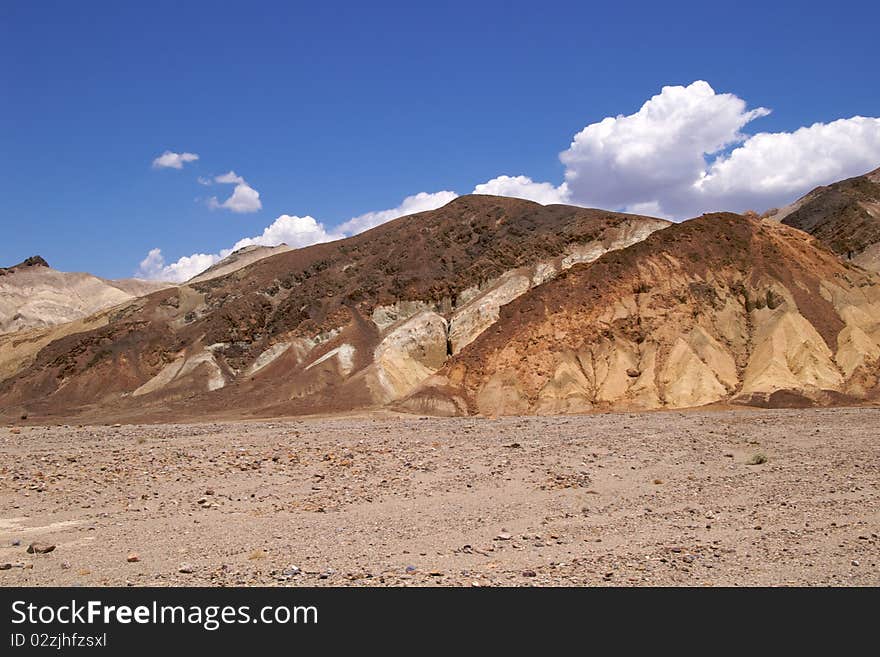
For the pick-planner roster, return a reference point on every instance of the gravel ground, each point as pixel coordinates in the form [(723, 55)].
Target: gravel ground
[(609, 500)]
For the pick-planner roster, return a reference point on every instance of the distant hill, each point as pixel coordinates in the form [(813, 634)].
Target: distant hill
[(844, 215), (238, 259), (33, 295)]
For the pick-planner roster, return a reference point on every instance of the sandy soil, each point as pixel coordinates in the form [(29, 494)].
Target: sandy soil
[(650, 499)]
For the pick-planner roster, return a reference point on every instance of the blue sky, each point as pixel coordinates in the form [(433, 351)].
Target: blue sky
[(333, 110)]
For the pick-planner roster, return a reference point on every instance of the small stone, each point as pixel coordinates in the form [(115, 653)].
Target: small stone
[(15, 431), (632, 373), (435, 573), (854, 562), (291, 572), (65, 565), (411, 569), (529, 573), (16, 542), (186, 569), (40, 548), (209, 491), (202, 501), (5, 566), (503, 536), (133, 557)]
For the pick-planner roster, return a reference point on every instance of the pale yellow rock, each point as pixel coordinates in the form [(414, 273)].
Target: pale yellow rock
[(855, 349), (201, 365), (469, 321), (410, 353), (789, 354), (687, 381), (502, 396)]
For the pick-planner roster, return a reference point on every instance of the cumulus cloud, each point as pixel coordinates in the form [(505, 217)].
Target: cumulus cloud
[(230, 178), (524, 187), (292, 230), (172, 160), (773, 168), (295, 231), (243, 199), (153, 266), (671, 156), (420, 202)]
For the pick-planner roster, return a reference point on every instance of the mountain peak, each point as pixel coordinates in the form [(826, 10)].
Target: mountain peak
[(33, 261)]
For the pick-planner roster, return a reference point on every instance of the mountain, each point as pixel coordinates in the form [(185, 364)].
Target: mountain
[(237, 260), (719, 309), (33, 295), (844, 215), (355, 323)]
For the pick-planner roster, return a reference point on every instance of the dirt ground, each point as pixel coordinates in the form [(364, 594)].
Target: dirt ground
[(632, 500)]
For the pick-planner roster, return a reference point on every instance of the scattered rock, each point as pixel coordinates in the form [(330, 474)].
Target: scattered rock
[(65, 565), (133, 557), (5, 566), (40, 548), (529, 573), (503, 536), (186, 569)]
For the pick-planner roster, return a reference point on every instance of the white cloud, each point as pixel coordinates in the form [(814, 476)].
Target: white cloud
[(288, 229), (153, 266), (230, 178), (172, 160), (670, 158), (207, 182), (243, 199), (774, 168), (411, 204), (524, 187)]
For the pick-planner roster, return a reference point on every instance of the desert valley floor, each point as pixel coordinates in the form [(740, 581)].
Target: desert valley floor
[(664, 498)]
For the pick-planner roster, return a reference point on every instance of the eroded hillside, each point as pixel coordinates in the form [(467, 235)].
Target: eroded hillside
[(358, 322), (721, 308)]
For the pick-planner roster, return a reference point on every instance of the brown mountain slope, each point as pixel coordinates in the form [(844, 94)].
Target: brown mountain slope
[(844, 215), (716, 309), (357, 322), (33, 295)]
